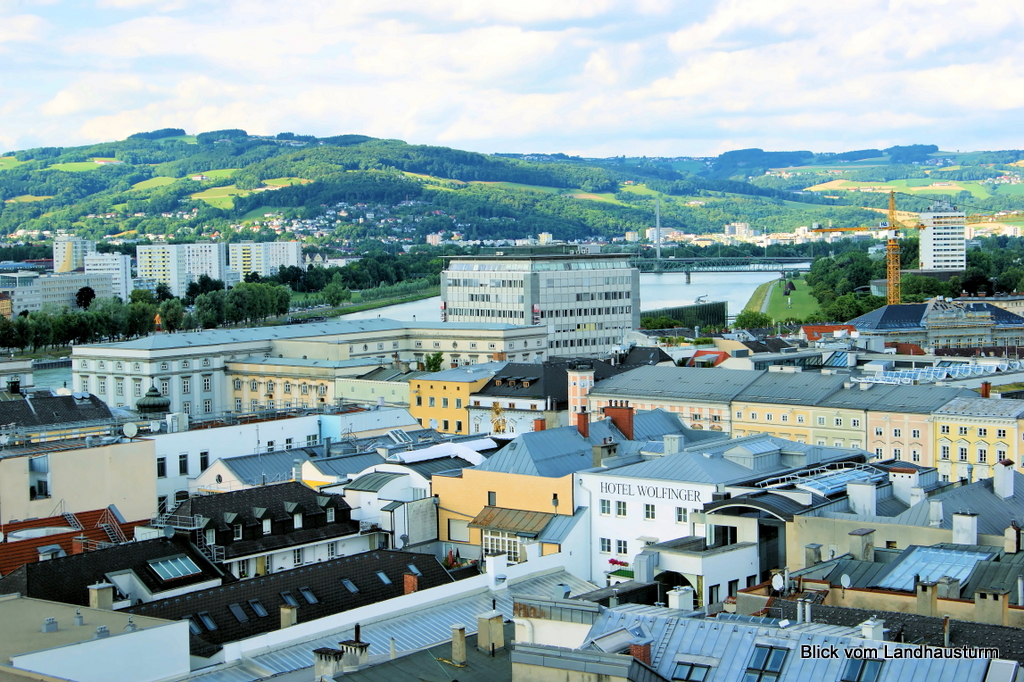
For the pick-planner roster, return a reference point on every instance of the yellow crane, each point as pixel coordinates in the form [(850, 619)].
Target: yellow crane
[(892, 247)]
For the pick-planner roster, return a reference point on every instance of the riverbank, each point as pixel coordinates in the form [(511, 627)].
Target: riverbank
[(349, 308), (803, 304), (758, 302)]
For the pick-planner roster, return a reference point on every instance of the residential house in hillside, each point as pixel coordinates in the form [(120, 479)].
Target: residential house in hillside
[(267, 529), (218, 617), (26, 542), (119, 576)]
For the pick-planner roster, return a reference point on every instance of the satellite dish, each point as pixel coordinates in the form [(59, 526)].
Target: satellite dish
[(130, 430), (154, 427), (778, 582), (844, 580), (4, 440), (168, 532)]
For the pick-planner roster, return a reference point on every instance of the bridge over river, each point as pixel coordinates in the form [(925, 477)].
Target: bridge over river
[(782, 265)]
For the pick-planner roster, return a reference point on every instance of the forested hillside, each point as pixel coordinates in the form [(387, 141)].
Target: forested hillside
[(166, 182)]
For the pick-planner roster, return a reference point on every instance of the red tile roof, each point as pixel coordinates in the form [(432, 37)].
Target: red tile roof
[(718, 355), (16, 553), (814, 332)]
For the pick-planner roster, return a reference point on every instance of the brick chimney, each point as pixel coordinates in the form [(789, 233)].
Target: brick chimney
[(986, 389), (539, 424), (641, 652), (583, 423), (621, 415), (78, 544), (412, 583)]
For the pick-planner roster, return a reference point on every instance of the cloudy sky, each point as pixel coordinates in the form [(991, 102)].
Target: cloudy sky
[(591, 77)]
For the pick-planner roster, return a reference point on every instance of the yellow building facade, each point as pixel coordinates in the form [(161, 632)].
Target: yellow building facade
[(972, 434), (440, 401), (833, 427)]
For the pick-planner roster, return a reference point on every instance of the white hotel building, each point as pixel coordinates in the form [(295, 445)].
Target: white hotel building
[(584, 302)]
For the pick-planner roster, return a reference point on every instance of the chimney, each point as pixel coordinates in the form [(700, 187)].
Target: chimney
[(965, 528), (862, 544), (799, 611), (600, 452), (862, 498), (927, 599), (1002, 478), (641, 651), (289, 615), (539, 424), (459, 644), (904, 480), (49, 625), (297, 470), (490, 632), (412, 583), (949, 588), (673, 443), (935, 513), (583, 423), (561, 591), (986, 389), (78, 544), (101, 596), (992, 607), (355, 653), (812, 554), (1011, 539), (873, 629), (681, 598), (917, 495), (327, 663), (621, 415)]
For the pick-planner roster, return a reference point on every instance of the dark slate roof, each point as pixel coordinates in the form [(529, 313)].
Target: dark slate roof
[(547, 380), (646, 355), (324, 581), (799, 388), (431, 665), (912, 628), (50, 410), (892, 317), (277, 499), (67, 579)]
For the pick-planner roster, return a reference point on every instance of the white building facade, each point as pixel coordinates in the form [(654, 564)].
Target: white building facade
[(944, 238), (118, 266), (585, 303), (176, 265), (31, 291), (69, 253), (264, 258)]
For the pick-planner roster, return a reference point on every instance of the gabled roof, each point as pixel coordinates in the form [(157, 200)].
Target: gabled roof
[(680, 383), (51, 410), (798, 388), (896, 397), (324, 581), (278, 500), (15, 552), (267, 467), (994, 513), (67, 579), (982, 407), (373, 482), (891, 317), (552, 453), (646, 355)]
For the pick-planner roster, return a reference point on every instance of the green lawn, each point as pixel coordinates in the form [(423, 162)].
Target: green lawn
[(218, 173), (257, 213), (74, 167), (220, 197), (154, 182), (187, 139), (28, 197), (7, 162), (803, 303), (518, 185), (286, 182)]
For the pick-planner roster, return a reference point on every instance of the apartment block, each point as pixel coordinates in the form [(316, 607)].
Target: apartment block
[(176, 265), (69, 253), (118, 266), (264, 258)]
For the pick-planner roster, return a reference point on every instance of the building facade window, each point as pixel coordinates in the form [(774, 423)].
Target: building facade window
[(621, 547), (161, 467), (681, 514), (649, 512), (620, 508), (499, 542), (606, 545), (183, 465), (606, 507)]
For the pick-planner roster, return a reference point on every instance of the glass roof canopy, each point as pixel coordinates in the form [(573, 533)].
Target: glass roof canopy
[(835, 481), (929, 564)]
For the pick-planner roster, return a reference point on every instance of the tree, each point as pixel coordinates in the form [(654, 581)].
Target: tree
[(752, 319), (163, 292), (85, 297), (22, 332), (434, 361), (172, 314), (210, 309), (141, 296)]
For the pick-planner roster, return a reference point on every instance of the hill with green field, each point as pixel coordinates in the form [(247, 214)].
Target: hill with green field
[(168, 182)]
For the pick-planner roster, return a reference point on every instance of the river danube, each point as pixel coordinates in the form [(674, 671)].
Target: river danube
[(657, 290)]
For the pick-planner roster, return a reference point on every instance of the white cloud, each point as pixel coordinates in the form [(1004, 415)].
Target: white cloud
[(594, 76)]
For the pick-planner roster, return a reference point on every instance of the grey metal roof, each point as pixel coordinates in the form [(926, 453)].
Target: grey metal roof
[(803, 388), (412, 630), (347, 465), (518, 521), (552, 453), (340, 325), (896, 398), (391, 506), (558, 528), (929, 564), (983, 407), (436, 466), (264, 467), (702, 384), (308, 362), (994, 513), (372, 483), (468, 374)]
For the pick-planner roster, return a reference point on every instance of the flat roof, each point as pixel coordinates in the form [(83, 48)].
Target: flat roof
[(21, 621)]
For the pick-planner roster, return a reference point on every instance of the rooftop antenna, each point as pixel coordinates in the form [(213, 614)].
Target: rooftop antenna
[(657, 226)]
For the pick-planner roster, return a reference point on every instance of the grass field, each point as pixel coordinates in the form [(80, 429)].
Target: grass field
[(286, 182), (913, 185), (218, 173), (221, 197), (517, 185), (803, 303), (27, 197), (757, 298), (75, 167), (8, 162), (154, 182), (187, 139), (258, 212)]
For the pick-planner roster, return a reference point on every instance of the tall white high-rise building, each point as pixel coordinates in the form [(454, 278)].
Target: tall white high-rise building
[(178, 264), (118, 266), (264, 258), (944, 238), (587, 302), (69, 253)]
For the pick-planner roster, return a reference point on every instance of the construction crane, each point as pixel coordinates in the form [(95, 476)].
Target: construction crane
[(892, 247)]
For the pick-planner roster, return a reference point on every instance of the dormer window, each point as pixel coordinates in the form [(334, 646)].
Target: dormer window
[(330, 515), (266, 526), (497, 382), (297, 518), (238, 531)]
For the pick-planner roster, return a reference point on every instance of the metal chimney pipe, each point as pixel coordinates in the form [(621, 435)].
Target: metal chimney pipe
[(807, 612), (799, 611), (945, 631), (356, 636)]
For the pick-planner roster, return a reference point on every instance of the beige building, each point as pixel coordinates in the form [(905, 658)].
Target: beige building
[(69, 253), (191, 368), (76, 476), (263, 258)]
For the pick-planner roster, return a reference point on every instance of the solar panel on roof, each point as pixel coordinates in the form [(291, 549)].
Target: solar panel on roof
[(175, 567), (929, 564)]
